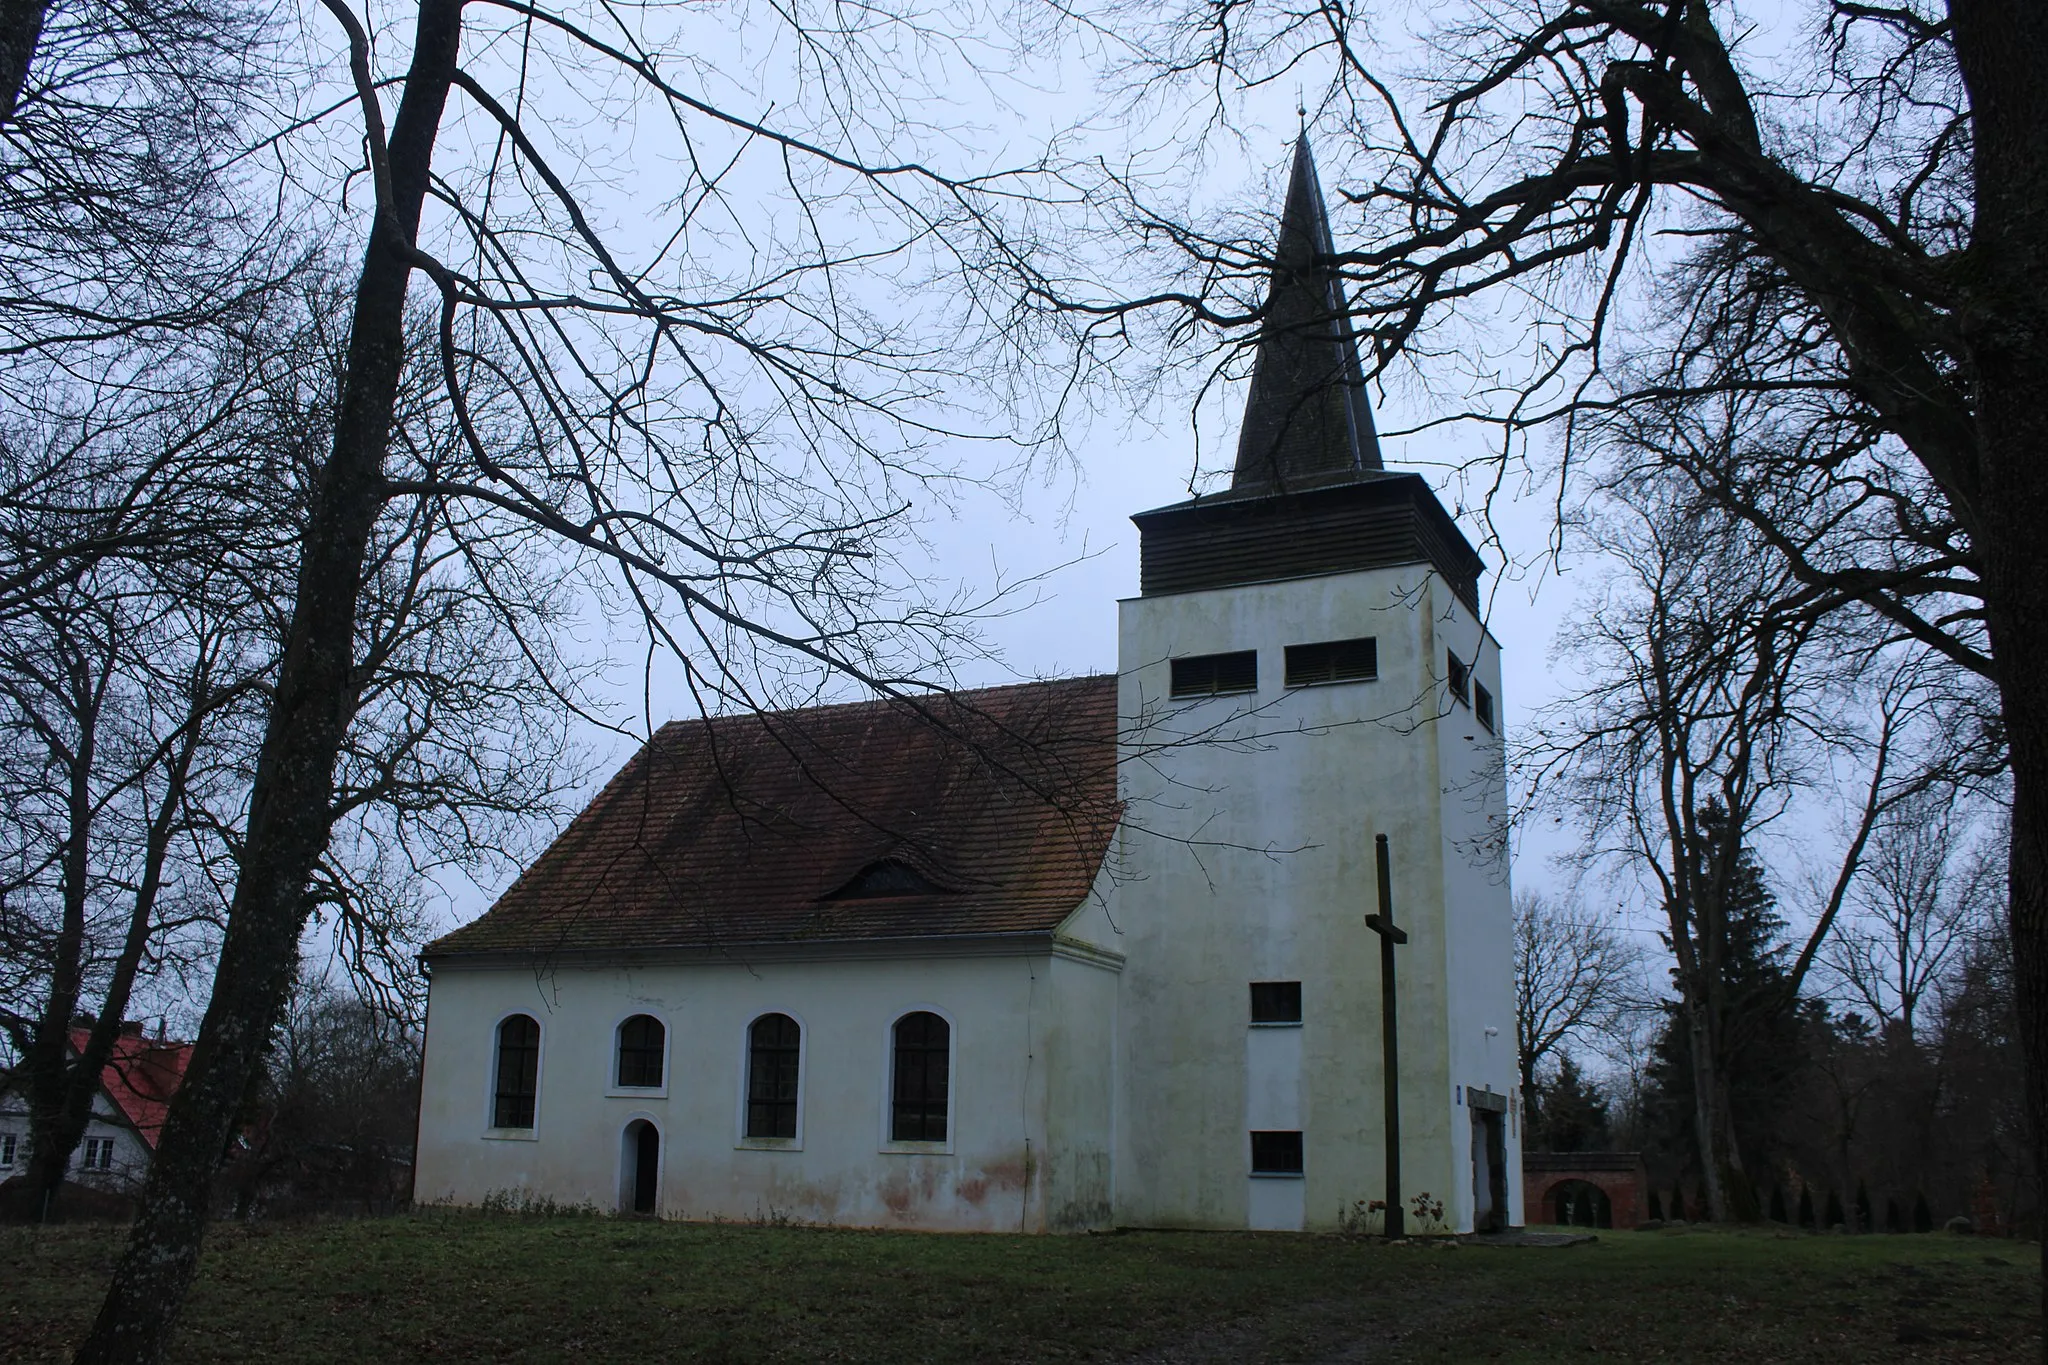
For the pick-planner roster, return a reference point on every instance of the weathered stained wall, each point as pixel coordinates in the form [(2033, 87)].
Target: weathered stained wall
[(1074, 1046), (1251, 818), (1008, 1036)]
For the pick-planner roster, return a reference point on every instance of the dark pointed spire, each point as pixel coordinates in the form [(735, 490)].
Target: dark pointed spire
[(1307, 416)]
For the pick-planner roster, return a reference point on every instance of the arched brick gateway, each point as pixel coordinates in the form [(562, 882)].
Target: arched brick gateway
[(1617, 1175)]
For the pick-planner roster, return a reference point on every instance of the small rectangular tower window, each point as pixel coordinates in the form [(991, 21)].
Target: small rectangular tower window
[(1460, 673), (1333, 661), (1276, 1002), (7, 1141), (1276, 1153), (1209, 675), (1482, 704)]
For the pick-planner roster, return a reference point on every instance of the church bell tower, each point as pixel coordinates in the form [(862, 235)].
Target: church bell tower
[(1305, 667)]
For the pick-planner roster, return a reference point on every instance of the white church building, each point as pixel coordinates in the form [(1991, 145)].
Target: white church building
[(1060, 955)]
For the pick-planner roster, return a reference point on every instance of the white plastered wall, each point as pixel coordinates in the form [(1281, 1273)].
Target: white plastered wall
[(131, 1157), (1479, 943), (1247, 844), (1018, 1023)]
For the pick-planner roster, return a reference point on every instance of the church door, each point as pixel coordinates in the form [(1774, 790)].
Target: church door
[(1489, 1170), (643, 1166)]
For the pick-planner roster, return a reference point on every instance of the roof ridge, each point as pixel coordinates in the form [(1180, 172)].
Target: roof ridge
[(943, 695)]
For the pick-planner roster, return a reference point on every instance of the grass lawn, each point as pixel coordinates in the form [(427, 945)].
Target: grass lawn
[(456, 1286)]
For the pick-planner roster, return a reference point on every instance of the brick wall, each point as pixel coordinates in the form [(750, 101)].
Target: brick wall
[(1619, 1175)]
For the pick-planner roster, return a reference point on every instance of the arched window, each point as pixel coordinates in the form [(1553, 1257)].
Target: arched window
[(774, 1046), (518, 1082), (923, 1065), (640, 1048)]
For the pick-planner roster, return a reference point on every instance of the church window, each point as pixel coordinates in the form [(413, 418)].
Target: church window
[(1276, 1153), (1209, 675), (921, 1079), (518, 1081), (774, 1048), (99, 1155), (1333, 661), (1276, 1002), (1460, 672), (642, 1041), (1482, 704), (7, 1141)]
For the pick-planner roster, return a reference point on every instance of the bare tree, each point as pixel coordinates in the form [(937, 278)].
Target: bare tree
[(1576, 978), (1927, 892), (333, 1128), (1720, 703), (719, 418), (122, 163), (131, 700), (105, 707)]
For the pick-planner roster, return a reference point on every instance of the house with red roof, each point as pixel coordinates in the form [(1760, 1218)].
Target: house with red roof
[(136, 1087), (1062, 954)]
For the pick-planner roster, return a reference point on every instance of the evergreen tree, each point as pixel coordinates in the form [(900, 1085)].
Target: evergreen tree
[(1806, 1207), (1923, 1219), (1863, 1223), (1656, 1208), (1894, 1221), (1778, 1204), (1834, 1215), (1763, 1030), (1677, 1202), (1568, 1114)]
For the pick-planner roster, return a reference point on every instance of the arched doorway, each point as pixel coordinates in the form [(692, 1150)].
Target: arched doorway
[(1580, 1204), (639, 1167)]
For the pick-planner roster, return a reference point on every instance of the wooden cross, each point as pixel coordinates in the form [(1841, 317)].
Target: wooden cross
[(1390, 934)]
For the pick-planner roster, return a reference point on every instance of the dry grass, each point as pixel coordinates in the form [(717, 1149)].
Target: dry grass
[(460, 1286)]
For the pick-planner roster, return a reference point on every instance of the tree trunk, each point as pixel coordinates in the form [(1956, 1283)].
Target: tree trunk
[(21, 29), (56, 1129), (1713, 1118), (2001, 46), (291, 796), (1705, 1124), (48, 1064)]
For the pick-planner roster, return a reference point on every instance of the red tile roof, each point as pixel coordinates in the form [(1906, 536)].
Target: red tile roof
[(741, 829), (141, 1076)]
